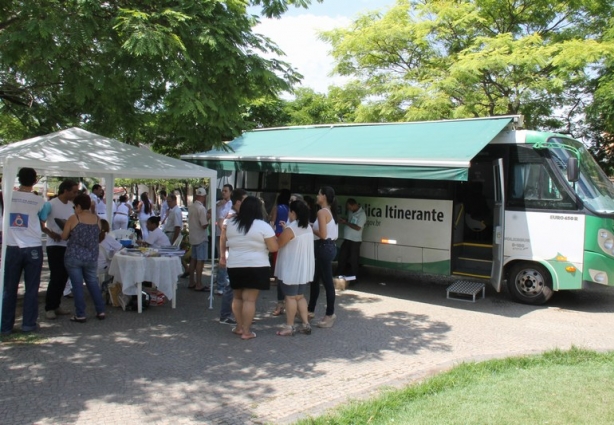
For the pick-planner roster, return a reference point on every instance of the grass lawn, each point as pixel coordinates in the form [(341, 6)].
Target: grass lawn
[(557, 387)]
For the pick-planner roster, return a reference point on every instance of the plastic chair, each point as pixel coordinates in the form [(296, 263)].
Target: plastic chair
[(103, 277), (123, 234), (177, 242)]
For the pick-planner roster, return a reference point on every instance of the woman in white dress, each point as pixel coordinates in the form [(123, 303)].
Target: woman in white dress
[(295, 266), (145, 210), (122, 213)]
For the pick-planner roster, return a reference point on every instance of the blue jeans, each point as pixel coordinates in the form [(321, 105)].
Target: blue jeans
[(80, 271), (226, 308), (30, 261), (57, 277), (325, 252)]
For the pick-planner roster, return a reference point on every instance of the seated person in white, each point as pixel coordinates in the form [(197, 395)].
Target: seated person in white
[(107, 246), (156, 236)]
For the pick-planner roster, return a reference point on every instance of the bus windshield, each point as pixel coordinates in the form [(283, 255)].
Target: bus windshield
[(593, 187)]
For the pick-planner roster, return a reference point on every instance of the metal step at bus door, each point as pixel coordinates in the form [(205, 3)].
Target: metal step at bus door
[(473, 260)]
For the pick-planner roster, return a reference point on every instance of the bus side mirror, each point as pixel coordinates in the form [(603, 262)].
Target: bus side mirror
[(572, 169)]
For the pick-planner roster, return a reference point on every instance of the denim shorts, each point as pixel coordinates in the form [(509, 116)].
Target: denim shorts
[(200, 251), (293, 290)]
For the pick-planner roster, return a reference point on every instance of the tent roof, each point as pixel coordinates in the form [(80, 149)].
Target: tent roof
[(78, 153), (439, 150)]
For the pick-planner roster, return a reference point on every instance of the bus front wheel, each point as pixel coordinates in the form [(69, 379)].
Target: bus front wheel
[(530, 283)]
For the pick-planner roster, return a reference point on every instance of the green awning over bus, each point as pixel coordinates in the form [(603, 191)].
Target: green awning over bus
[(434, 150)]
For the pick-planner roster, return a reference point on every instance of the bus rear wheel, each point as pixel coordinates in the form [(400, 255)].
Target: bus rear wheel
[(530, 283)]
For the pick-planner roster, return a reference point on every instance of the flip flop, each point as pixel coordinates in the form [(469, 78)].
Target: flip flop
[(234, 331), (251, 335)]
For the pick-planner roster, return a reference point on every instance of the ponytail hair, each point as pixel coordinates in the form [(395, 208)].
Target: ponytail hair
[(146, 203), (301, 210), (331, 200)]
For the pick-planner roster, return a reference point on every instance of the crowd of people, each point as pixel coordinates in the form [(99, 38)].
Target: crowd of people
[(78, 246), (296, 244), (297, 241)]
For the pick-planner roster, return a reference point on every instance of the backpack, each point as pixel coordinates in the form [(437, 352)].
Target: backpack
[(132, 305)]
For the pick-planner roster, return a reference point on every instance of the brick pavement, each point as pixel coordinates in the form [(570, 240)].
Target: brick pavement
[(180, 366)]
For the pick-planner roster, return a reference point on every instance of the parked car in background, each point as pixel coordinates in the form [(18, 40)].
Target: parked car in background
[(184, 213)]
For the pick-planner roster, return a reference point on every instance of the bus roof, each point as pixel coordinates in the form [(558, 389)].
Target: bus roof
[(435, 150)]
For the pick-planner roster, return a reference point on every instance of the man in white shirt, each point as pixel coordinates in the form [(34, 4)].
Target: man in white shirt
[(352, 235), (24, 253), (226, 318), (197, 224), (61, 209), (173, 224), (98, 205), (222, 208)]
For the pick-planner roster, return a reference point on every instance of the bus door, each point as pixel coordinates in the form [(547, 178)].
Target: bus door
[(498, 225)]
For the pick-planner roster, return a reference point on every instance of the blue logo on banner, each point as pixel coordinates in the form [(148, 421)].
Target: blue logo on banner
[(18, 220)]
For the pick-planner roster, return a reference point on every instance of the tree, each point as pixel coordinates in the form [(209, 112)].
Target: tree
[(338, 106), (174, 74), (437, 59)]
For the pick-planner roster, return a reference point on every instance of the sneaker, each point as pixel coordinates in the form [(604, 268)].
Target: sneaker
[(50, 314), (62, 311), (228, 321), (27, 329), (327, 321), (219, 292)]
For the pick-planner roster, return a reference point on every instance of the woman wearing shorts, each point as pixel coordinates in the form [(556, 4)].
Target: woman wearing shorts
[(248, 241), (295, 266)]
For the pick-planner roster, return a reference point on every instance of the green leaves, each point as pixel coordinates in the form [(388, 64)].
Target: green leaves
[(450, 59), (177, 75)]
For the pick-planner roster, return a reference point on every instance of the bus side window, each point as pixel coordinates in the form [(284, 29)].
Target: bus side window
[(532, 186)]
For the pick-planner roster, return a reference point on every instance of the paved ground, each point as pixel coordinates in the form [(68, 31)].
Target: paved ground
[(182, 367)]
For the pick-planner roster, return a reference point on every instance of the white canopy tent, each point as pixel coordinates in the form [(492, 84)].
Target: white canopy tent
[(78, 153)]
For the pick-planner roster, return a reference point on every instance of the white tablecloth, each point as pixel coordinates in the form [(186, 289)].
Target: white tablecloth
[(161, 271)]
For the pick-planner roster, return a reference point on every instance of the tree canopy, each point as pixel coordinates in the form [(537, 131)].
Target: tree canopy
[(174, 74), (436, 59)]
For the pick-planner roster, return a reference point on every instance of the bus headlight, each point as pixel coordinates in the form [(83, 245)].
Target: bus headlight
[(598, 276), (606, 241)]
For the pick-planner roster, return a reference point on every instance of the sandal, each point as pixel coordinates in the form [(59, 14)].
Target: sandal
[(286, 331), (305, 329), (234, 331), (279, 310), (78, 319), (251, 335)]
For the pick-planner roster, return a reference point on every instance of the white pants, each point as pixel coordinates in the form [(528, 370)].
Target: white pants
[(120, 221)]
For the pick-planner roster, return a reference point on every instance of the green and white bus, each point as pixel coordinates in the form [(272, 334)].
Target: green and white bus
[(478, 198)]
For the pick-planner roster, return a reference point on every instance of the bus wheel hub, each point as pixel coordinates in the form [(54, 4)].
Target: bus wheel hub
[(530, 282)]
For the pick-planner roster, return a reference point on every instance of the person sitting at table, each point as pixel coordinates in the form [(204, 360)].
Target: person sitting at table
[(107, 246), (156, 236)]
